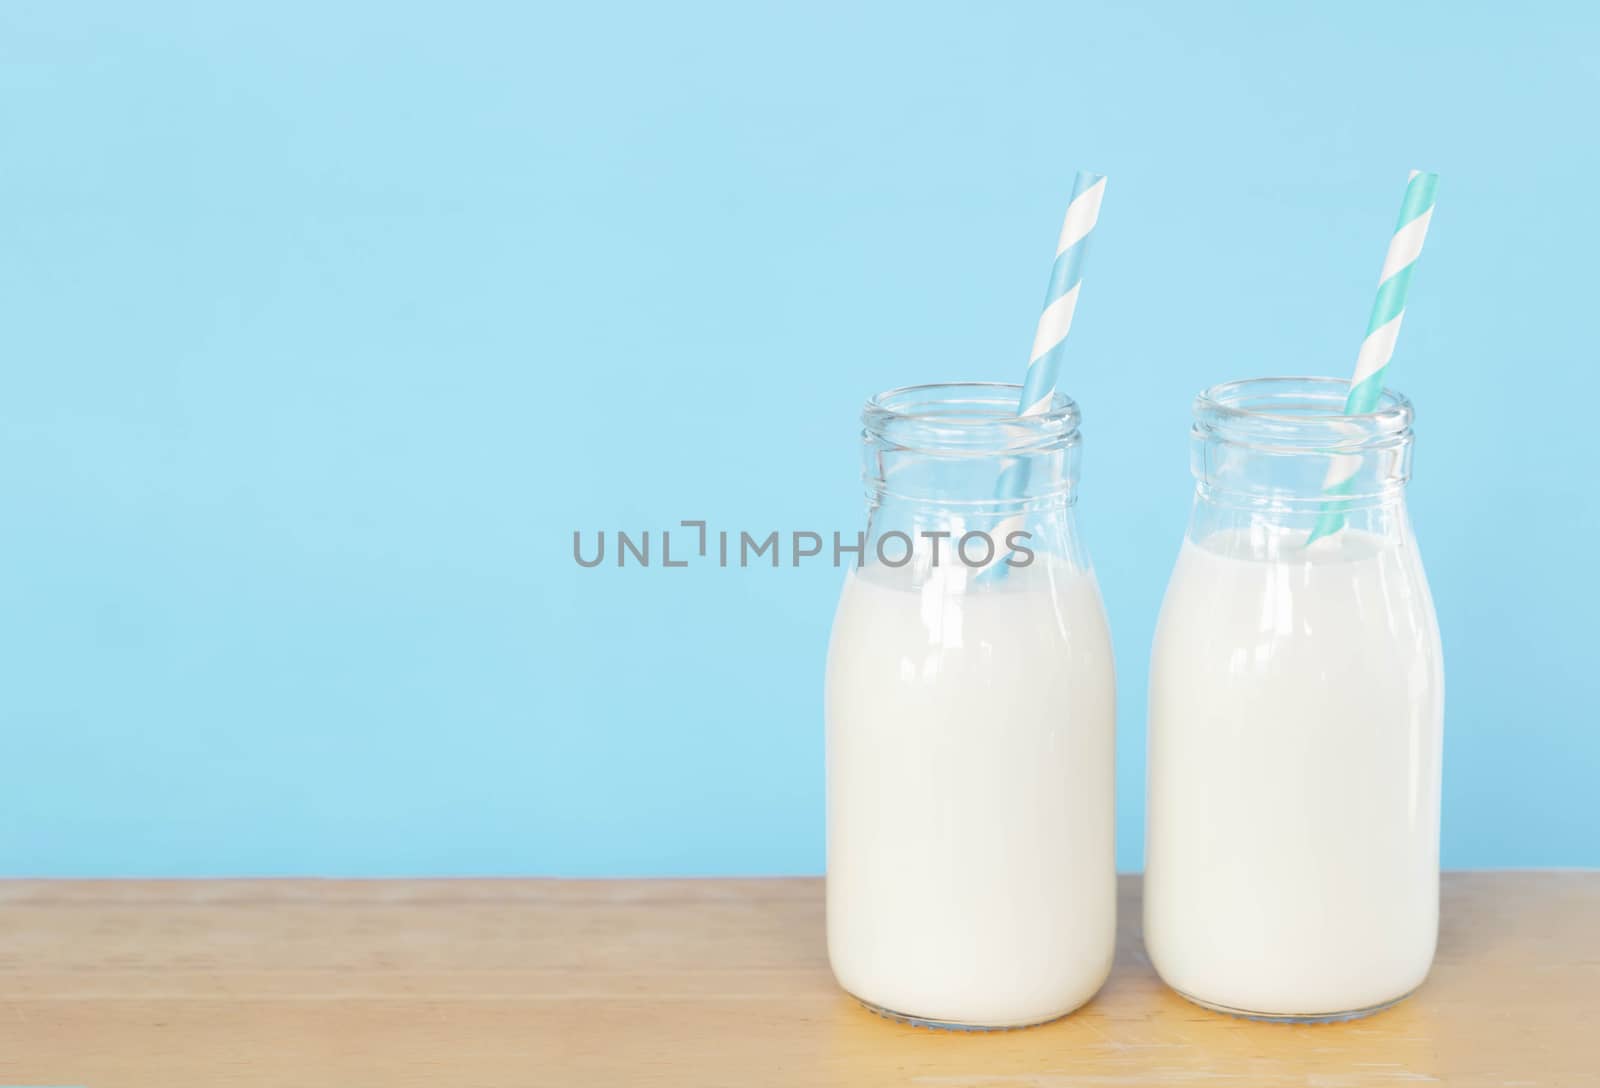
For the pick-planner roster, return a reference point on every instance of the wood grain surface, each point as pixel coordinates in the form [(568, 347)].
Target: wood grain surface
[(699, 983)]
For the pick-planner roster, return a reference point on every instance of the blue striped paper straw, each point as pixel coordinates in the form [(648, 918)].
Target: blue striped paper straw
[(1061, 297), (1383, 329), (1050, 336)]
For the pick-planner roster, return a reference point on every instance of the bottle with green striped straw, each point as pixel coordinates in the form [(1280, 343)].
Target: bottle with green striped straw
[(1295, 710), (1383, 329)]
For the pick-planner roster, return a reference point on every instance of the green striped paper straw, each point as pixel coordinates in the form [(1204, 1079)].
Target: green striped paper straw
[(1383, 329), (1050, 336)]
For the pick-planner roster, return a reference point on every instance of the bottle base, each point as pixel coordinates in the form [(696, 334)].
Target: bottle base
[(952, 1025), (1295, 1018)]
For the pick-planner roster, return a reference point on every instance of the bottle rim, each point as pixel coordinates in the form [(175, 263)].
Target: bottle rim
[(1290, 413), (967, 418)]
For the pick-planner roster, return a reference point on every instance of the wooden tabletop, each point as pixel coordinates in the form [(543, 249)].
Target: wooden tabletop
[(699, 983)]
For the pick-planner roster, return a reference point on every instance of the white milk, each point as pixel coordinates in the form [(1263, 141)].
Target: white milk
[(1293, 823), (971, 875)]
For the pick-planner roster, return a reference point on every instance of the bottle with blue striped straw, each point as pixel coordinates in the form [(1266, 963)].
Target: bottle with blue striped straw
[(970, 725)]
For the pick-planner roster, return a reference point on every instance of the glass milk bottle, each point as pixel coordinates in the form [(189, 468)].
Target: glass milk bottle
[(970, 719), (1296, 714)]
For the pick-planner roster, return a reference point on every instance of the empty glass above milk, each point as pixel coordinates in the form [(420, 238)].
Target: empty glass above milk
[(1296, 713), (970, 712)]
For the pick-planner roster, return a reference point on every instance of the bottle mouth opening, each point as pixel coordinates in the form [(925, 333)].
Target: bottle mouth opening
[(974, 418), (1301, 412)]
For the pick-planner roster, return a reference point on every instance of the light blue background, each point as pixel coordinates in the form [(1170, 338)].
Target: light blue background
[(323, 326)]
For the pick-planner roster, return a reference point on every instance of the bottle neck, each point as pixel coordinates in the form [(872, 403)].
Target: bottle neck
[(1273, 531), (947, 462), (1299, 485), (923, 499)]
